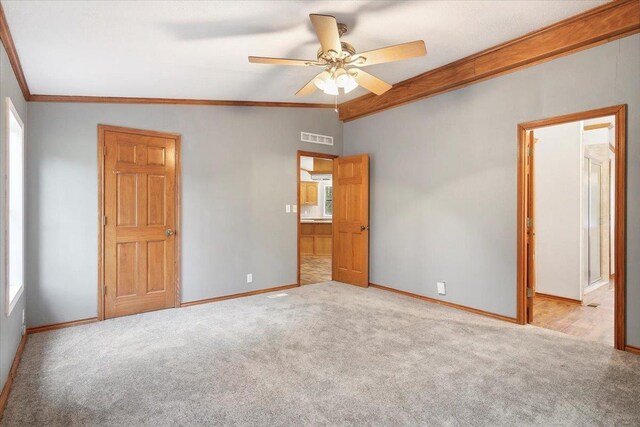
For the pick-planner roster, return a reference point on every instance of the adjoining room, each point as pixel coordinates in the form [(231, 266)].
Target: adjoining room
[(316, 212), (572, 227)]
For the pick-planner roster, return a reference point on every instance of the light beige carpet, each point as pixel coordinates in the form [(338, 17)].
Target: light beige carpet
[(327, 354)]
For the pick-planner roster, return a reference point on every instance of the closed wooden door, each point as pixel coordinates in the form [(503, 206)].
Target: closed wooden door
[(351, 220), (139, 221)]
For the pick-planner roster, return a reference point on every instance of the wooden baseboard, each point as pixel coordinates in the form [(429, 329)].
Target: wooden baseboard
[(448, 304), (4, 396), (240, 295), (557, 298), (632, 349), (62, 325)]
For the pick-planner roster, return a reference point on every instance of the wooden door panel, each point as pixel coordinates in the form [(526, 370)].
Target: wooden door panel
[(156, 265), (156, 156), (126, 199), (357, 248), (127, 269), (156, 200), (351, 220), (343, 263), (126, 153), (139, 207)]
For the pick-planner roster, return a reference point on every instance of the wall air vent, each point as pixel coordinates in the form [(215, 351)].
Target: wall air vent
[(314, 138)]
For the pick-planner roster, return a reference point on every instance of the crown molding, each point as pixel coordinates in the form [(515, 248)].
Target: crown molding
[(7, 41), (611, 21), (171, 101)]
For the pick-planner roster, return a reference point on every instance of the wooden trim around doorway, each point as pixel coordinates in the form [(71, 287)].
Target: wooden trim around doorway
[(102, 129), (298, 227), (620, 112)]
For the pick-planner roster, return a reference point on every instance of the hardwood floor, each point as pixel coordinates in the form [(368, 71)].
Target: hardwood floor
[(592, 323), (315, 269)]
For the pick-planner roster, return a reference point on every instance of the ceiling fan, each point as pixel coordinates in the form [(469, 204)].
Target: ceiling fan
[(341, 64)]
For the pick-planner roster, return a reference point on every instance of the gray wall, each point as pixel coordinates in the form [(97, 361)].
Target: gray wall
[(443, 176), (238, 172), (10, 327)]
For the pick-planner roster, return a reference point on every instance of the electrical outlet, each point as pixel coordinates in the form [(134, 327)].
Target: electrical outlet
[(287, 208), (442, 288), (249, 278)]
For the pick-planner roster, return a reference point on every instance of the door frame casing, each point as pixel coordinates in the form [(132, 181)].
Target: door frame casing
[(102, 129), (302, 153), (620, 113)]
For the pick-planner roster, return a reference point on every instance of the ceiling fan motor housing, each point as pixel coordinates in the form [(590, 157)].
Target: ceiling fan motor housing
[(347, 49)]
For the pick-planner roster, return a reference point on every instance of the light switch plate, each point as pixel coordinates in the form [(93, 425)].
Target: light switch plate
[(249, 278), (295, 208), (442, 288), (287, 208)]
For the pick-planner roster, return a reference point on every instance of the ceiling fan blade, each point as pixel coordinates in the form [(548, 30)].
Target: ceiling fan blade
[(370, 82), (309, 88), (281, 61), (390, 53), (326, 28)]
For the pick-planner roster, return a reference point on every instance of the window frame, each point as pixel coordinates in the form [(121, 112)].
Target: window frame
[(10, 302)]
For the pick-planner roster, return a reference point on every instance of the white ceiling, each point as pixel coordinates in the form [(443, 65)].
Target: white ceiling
[(191, 49)]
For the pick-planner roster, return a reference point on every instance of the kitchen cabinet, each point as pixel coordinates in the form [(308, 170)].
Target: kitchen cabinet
[(308, 193), (316, 239), (322, 165)]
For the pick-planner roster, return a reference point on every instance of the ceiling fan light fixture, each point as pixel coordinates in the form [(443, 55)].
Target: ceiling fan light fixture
[(350, 85), (330, 87), (341, 77), (321, 80)]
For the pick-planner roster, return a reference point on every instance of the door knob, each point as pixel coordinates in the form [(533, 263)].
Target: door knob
[(364, 227), (169, 232)]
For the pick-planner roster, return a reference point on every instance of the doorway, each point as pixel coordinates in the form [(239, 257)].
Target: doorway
[(139, 218), (315, 217), (333, 219), (571, 236)]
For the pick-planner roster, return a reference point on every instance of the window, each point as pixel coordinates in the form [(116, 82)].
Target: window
[(328, 200), (14, 202)]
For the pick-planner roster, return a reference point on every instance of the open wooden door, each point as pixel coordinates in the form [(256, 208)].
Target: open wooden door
[(351, 220), (531, 233)]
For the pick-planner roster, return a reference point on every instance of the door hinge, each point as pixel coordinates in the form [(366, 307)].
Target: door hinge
[(105, 290), (529, 222), (104, 152), (529, 292), (104, 220)]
